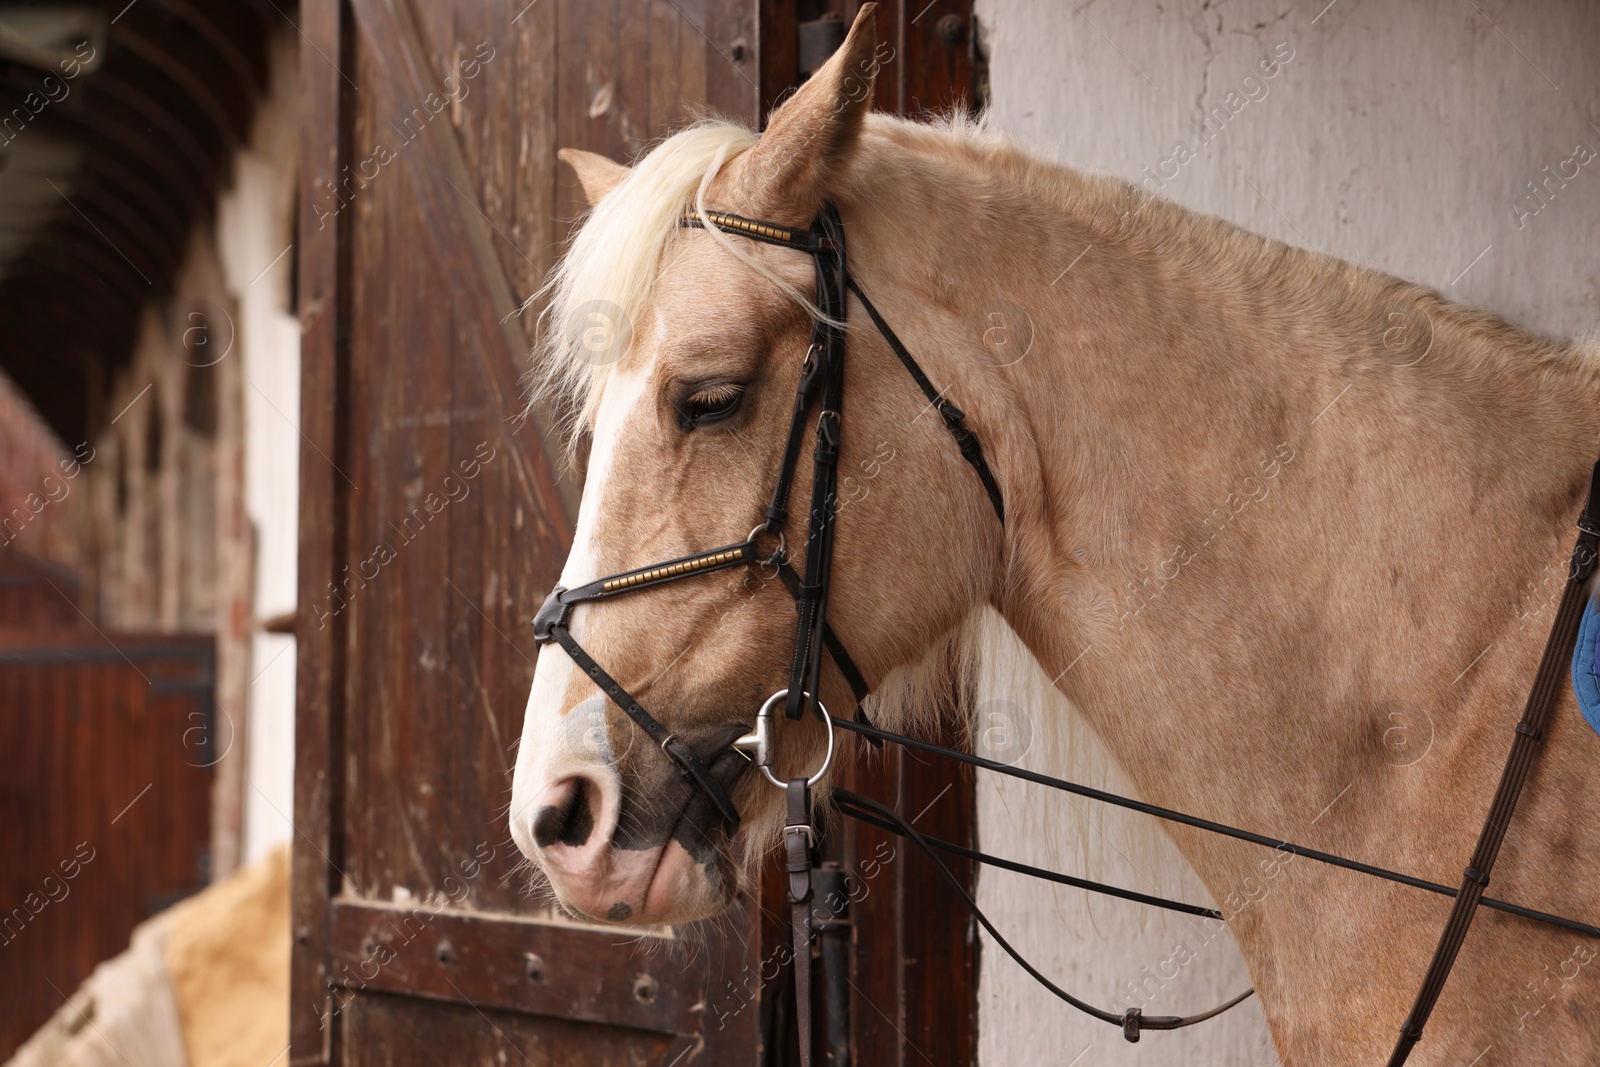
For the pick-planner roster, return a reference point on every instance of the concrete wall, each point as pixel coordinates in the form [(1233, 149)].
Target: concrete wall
[(1439, 141)]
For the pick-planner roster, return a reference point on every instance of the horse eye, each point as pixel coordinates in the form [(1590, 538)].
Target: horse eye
[(709, 403)]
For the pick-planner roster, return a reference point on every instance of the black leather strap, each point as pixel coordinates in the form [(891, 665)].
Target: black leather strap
[(1548, 685), (987, 860), (1131, 1022), (797, 862), (669, 742), (954, 417), (1287, 848), (841, 658), (778, 509), (841, 655), (828, 345)]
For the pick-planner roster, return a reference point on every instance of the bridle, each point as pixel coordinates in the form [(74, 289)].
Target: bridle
[(821, 389)]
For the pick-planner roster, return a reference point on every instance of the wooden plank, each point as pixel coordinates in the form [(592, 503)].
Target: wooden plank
[(396, 68), (777, 38), (933, 66), (386, 1030), (877, 862), (36, 593), (668, 64), (926, 56), (731, 1023), (320, 643), (441, 649), (940, 937), (731, 86), (500, 57), (616, 978)]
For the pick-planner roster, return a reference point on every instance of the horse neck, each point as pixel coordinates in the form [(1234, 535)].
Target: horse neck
[(1259, 502)]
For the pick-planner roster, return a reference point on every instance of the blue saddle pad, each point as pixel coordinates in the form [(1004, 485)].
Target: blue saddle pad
[(1585, 681)]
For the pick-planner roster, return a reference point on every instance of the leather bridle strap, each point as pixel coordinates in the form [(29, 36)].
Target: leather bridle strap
[(669, 742), (1288, 849), (836, 650), (561, 599), (1548, 686), (989, 860), (1132, 1021), (821, 380), (797, 843), (550, 625), (827, 348), (954, 417), (814, 241)]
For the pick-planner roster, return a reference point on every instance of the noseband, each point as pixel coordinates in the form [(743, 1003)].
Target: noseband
[(821, 389)]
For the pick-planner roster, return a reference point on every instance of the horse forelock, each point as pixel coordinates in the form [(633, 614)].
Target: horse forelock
[(614, 260)]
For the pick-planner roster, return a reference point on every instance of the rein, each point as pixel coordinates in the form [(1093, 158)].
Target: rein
[(822, 387)]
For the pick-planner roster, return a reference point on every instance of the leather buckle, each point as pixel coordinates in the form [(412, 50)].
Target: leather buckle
[(827, 450), (955, 420), (811, 835), (552, 613)]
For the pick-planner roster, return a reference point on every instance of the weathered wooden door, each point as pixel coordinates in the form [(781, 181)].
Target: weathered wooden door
[(109, 741), (433, 522)]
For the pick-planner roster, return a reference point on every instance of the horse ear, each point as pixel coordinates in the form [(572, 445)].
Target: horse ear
[(597, 174), (811, 136)]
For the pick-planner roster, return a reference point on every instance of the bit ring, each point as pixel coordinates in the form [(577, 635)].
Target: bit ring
[(758, 743)]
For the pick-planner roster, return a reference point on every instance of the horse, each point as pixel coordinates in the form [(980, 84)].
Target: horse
[(1261, 506)]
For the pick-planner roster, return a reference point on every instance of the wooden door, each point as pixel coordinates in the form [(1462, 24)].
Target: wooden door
[(433, 523), (109, 742)]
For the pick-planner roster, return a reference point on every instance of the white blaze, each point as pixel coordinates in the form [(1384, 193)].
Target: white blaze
[(556, 745)]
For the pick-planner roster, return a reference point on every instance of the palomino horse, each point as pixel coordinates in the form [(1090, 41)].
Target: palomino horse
[(1241, 653)]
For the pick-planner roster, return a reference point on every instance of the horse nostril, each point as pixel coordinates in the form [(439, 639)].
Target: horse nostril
[(568, 821)]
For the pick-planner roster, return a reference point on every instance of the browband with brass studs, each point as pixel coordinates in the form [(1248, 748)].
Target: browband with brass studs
[(761, 231), (688, 566)]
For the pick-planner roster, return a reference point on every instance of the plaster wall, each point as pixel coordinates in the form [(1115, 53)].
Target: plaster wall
[(1432, 139)]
